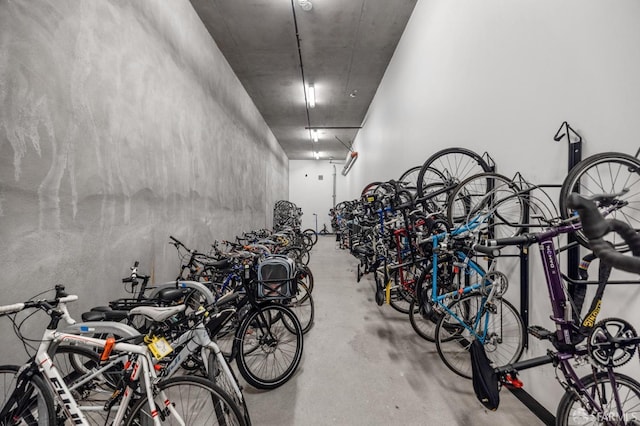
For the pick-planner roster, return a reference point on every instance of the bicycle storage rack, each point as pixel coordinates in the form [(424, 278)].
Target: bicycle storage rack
[(572, 247)]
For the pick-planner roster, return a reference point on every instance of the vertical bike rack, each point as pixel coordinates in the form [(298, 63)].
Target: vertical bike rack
[(575, 155)]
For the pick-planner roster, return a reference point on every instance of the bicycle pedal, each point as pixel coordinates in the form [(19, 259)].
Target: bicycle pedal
[(513, 382), (540, 332)]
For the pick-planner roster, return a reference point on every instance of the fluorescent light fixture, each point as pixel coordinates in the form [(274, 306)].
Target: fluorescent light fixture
[(316, 155), (352, 156), (311, 96), (314, 135)]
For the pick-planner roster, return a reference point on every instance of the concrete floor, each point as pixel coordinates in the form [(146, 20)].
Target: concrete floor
[(364, 365)]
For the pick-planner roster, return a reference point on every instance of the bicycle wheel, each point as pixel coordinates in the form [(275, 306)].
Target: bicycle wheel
[(409, 179), (606, 173), (302, 306), (499, 325), (196, 400), (312, 235), (422, 314), (269, 346), (307, 277), (226, 383), (77, 365), (29, 403), (488, 193), (400, 298), (601, 389), (441, 173)]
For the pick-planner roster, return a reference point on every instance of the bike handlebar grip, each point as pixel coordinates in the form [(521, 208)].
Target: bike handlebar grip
[(525, 239), (69, 298), (491, 251), (593, 223), (9, 309), (607, 254)]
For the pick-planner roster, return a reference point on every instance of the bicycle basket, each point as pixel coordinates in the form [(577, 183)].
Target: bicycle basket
[(276, 278)]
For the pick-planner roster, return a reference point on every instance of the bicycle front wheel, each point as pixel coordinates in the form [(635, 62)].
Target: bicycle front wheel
[(270, 346), (604, 392), (606, 173), (192, 401), (498, 324), (32, 404)]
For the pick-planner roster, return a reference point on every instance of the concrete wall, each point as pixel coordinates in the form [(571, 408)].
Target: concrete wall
[(501, 76), (120, 123)]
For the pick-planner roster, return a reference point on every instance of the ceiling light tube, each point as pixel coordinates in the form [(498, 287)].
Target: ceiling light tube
[(311, 96), (314, 135)]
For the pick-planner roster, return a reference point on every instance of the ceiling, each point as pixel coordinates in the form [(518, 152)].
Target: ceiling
[(344, 48)]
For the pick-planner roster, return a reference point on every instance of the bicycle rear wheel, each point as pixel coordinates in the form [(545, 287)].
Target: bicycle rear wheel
[(470, 318), (441, 173), (302, 306), (195, 399), (488, 193), (228, 384), (601, 389), (269, 346), (32, 404), (76, 365), (409, 179), (606, 173)]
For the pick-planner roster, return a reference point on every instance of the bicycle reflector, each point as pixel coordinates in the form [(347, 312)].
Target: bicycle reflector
[(108, 347)]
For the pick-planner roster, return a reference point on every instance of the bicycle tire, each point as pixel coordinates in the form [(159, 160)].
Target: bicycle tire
[(606, 173), (400, 299), (268, 351), (488, 192), (197, 400), (306, 276), (302, 306), (312, 235), (218, 376), (422, 316), (410, 179), (453, 340), (36, 402), (571, 412), (74, 364), (443, 170)]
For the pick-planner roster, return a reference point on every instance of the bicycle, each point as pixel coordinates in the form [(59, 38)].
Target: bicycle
[(604, 396), (38, 391), (465, 302)]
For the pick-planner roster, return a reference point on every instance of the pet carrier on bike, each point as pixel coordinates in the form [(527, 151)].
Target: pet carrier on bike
[(276, 278)]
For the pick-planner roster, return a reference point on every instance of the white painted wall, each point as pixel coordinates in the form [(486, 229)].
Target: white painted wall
[(501, 76), (313, 195)]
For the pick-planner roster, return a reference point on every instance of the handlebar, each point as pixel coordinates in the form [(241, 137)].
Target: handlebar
[(46, 304), (490, 251), (520, 240), (595, 227)]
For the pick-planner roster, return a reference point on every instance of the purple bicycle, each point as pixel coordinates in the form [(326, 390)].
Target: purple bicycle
[(604, 396)]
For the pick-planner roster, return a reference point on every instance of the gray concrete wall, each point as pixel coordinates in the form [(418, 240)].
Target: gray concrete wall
[(120, 123)]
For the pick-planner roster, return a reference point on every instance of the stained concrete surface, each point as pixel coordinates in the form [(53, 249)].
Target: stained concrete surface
[(364, 365), (121, 123)]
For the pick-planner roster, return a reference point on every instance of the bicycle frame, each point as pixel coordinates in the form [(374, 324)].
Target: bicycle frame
[(562, 316), (142, 366), (200, 337), (438, 300)]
